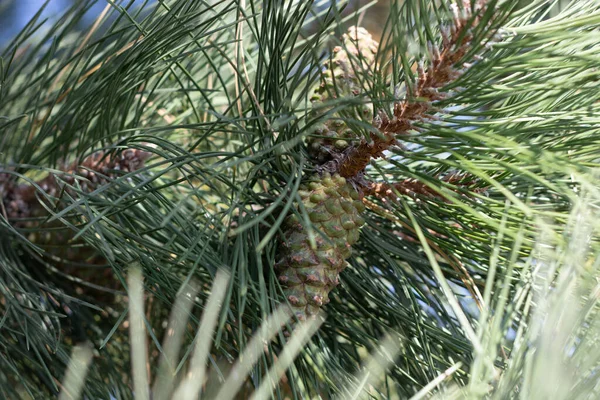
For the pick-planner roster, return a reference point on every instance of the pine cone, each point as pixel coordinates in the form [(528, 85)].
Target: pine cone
[(309, 274), (21, 202), (342, 79)]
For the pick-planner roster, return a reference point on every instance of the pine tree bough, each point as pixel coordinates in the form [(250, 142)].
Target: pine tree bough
[(334, 205)]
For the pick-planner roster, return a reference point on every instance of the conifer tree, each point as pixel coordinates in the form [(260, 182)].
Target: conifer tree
[(318, 214)]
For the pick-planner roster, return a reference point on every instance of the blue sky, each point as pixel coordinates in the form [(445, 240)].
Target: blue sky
[(14, 14)]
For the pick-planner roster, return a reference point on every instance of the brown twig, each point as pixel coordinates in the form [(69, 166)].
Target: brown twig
[(408, 187), (417, 105), (414, 188)]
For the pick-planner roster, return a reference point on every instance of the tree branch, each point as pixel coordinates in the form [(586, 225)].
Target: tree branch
[(417, 106)]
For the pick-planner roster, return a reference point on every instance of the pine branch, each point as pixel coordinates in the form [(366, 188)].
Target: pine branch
[(309, 267), (229, 170), (418, 104)]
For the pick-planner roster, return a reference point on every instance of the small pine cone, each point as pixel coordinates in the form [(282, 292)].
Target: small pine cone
[(25, 208), (20, 201), (356, 56), (14, 199), (309, 274), (98, 167)]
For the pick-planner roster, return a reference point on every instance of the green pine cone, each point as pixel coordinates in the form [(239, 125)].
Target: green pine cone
[(309, 274), (342, 80)]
